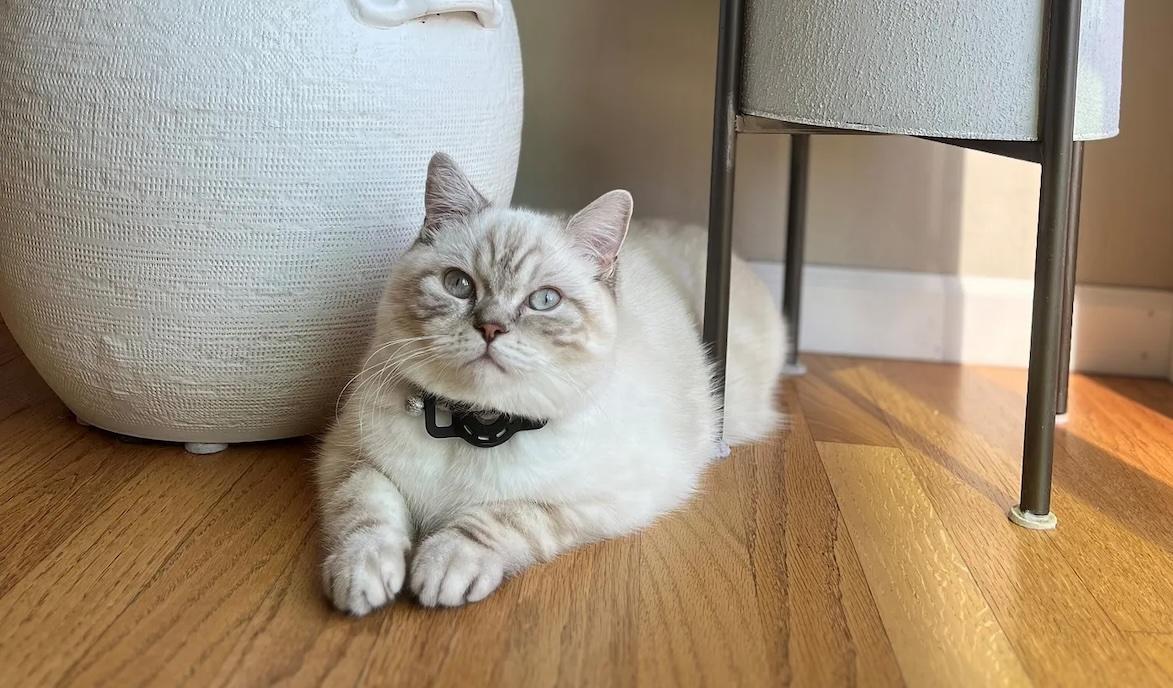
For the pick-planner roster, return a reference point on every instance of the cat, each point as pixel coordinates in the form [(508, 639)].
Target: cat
[(539, 317)]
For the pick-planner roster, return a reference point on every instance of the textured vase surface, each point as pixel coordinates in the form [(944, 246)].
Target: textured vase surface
[(968, 69), (200, 201)]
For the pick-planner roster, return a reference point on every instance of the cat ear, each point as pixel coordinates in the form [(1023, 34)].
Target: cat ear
[(599, 229), (448, 195)]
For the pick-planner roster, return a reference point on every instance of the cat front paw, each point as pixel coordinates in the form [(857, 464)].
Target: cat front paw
[(366, 571), (450, 569)]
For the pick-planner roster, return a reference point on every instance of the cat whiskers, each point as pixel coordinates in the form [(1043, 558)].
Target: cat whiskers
[(387, 372), (367, 368)]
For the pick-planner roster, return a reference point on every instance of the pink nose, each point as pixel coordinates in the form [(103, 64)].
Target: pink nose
[(490, 330)]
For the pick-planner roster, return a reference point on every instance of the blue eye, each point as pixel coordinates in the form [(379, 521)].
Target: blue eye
[(458, 284), (544, 299)]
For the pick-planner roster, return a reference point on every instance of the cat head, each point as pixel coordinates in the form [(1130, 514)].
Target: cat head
[(504, 308)]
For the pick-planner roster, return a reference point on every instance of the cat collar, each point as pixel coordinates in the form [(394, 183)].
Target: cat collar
[(482, 428)]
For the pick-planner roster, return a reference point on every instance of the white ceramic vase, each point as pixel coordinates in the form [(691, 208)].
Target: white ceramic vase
[(200, 200)]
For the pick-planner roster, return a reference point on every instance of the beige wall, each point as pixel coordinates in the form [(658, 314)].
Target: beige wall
[(1127, 217), (619, 94)]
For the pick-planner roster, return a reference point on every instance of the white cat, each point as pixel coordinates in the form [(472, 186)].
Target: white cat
[(538, 317)]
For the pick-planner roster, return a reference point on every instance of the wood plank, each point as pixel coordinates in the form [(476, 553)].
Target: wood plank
[(699, 622), (603, 647), (475, 637), (187, 620), (1123, 417), (1119, 472), (59, 609), (835, 409), (48, 502), (1155, 395), (961, 435), (875, 660), (32, 438), (822, 626), (34, 426), (580, 615), (1157, 649), (294, 637), (1133, 434), (1114, 496), (941, 628), (418, 646)]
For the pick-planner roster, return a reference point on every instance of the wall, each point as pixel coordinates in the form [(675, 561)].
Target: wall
[(1128, 183), (619, 94)]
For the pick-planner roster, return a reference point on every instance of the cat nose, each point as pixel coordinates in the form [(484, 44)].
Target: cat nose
[(490, 330)]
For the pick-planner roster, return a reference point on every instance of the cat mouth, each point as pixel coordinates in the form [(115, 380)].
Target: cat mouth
[(487, 359)]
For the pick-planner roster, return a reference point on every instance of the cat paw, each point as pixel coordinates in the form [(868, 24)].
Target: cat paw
[(366, 571), (449, 569)]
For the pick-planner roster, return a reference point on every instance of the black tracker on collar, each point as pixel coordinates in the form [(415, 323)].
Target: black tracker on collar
[(479, 428)]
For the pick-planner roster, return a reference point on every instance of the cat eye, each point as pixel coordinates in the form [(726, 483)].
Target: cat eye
[(544, 299), (458, 284)]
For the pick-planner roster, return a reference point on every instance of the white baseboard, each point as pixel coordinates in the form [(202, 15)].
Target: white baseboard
[(981, 320)]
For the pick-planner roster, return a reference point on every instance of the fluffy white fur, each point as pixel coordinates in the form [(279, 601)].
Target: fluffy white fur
[(617, 368)]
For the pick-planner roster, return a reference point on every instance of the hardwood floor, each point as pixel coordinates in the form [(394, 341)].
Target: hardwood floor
[(865, 545)]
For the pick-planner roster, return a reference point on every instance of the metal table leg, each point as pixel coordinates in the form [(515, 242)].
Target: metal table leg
[(795, 246), (720, 249), (1069, 279), (1057, 131)]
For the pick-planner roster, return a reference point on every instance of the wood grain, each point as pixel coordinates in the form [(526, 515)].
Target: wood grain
[(34, 426), (212, 583), (942, 630), (1157, 649), (961, 434), (835, 405), (583, 614), (866, 545), (697, 597), (53, 498), (100, 571), (293, 637), (813, 599), (1114, 479), (875, 660), (1143, 393), (426, 646)]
